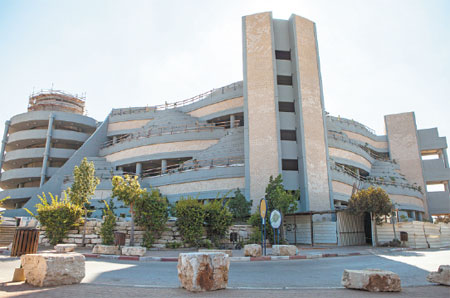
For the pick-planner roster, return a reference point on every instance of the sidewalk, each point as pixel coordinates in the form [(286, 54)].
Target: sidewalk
[(305, 252)]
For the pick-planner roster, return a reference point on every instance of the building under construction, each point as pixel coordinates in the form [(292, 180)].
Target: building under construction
[(272, 122)]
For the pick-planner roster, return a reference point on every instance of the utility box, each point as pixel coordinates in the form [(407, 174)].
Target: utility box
[(403, 236)]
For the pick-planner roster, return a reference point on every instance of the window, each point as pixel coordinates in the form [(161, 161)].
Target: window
[(284, 106), (283, 55), (288, 135), (284, 80), (289, 164)]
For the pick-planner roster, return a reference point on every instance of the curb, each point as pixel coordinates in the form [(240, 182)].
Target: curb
[(232, 259)]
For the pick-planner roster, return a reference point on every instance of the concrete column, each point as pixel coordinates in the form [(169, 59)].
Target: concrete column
[(4, 141), (163, 166), (444, 153), (232, 119), (51, 119), (114, 139), (120, 169), (139, 169)]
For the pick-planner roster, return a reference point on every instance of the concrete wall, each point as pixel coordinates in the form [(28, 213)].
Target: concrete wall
[(262, 152), (313, 133), (404, 148), (207, 185), (217, 107), (158, 148), (362, 138), (123, 125)]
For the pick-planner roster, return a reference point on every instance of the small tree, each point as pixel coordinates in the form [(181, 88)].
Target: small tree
[(190, 219), (83, 188), (280, 199), (218, 219), (151, 213), (109, 222), (1, 204), (128, 190), (239, 206), (373, 200), (58, 217)]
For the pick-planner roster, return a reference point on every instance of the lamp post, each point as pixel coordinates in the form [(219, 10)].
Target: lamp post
[(393, 220)]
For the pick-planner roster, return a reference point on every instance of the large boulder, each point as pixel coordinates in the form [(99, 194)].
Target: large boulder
[(284, 250), (61, 248), (252, 250), (134, 250), (49, 269), (442, 276), (372, 280), (106, 249), (203, 271)]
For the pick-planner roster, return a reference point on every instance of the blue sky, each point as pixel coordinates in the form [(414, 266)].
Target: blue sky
[(377, 57)]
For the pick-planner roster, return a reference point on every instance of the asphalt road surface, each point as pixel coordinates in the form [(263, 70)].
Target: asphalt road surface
[(246, 279)]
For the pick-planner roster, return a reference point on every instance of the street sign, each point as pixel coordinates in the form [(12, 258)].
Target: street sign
[(263, 208), (275, 219)]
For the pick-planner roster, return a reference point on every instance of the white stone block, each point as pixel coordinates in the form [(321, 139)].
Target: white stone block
[(201, 271), (134, 251), (62, 248), (252, 250), (284, 250), (442, 276), (50, 269), (106, 249), (372, 280)]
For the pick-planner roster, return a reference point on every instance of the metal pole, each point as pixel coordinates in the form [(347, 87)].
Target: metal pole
[(295, 230), (265, 237), (51, 118)]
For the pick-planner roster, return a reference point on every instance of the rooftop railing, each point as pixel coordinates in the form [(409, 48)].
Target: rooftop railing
[(169, 130), (166, 106), (354, 123), (374, 180)]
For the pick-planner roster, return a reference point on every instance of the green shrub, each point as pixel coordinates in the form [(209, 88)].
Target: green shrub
[(190, 219), (239, 206), (218, 219), (151, 213), (1, 204), (109, 222), (58, 217), (173, 245)]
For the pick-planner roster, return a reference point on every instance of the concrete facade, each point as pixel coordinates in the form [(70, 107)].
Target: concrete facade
[(236, 136)]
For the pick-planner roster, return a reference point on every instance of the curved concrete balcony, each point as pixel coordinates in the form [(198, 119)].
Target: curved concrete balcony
[(17, 158), (29, 120), (348, 145), (13, 177), (19, 193), (25, 138)]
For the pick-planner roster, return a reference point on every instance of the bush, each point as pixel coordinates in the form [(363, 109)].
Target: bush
[(150, 213), (255, 221), (1, 213), (173, 245), (58, 217), (218, 219), (190, 218), (239, 206), (109, 222)]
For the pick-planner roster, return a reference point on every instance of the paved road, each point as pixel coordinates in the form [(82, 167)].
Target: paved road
[(252, 277)]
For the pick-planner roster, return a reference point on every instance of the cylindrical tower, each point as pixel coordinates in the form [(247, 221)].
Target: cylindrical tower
[(37, 143)]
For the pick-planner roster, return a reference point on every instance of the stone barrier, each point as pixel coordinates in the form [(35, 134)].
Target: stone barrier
[(442, 276), (106, 249), (252, 250), (61, 248), (372, 280), (134, 251), (284, 250), (203, 271), (50, 269)]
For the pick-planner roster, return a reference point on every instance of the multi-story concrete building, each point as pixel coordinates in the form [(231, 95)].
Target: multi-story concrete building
[(273, 122)]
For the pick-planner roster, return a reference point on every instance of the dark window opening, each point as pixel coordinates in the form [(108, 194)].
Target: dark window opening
[(284, 106), (284, 80), (289, 164), (288, 135), (282, 55)]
